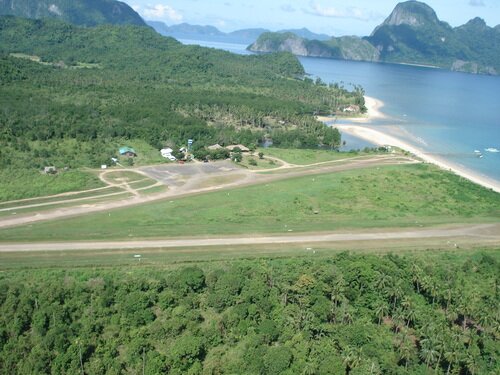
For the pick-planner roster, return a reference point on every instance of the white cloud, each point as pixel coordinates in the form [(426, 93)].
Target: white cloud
[(161, 11), (477, 3), (54, 9), (333, 12), (220, 23)]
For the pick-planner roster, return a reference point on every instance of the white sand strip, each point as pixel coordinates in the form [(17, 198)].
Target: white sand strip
[(381, 139)]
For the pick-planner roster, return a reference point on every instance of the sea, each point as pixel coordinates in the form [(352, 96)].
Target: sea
[(455, 116)]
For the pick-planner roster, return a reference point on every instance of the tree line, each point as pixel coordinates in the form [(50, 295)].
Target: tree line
[(125, 82), (344, 314)]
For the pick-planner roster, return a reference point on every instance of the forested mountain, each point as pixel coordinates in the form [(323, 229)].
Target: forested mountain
[(344, 314), (346, 47), (414, 34), (128, 82), (211, 33), (411, 34), (78, 12)]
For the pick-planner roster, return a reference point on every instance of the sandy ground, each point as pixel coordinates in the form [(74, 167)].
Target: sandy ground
[(379, 138), (479, 232), (192, 182)]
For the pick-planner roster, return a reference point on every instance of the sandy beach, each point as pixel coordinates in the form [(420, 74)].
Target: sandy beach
[(377, 137)]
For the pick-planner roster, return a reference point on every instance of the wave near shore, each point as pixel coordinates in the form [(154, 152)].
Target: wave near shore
[(358, 127)]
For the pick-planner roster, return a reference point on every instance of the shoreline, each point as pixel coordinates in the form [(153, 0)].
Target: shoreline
[(382, 139)]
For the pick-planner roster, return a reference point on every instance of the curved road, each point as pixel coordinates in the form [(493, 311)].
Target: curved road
[(192, 186)]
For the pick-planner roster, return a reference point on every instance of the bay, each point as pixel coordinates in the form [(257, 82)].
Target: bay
[(444, 113)]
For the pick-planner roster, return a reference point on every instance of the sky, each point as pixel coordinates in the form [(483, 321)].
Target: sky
[(332, 17)]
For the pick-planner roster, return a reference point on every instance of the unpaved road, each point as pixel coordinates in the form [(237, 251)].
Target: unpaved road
[(191, 185), (480, 232)]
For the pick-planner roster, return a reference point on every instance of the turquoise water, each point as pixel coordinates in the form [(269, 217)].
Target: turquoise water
[(445, 113)]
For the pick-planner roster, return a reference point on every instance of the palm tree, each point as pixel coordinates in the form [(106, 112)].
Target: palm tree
[(452, 356), (310, 368), (439, 347), (411, 316), (428, 355), (395, 292), (471, 364), (381, 310), (383, 280), (448, 295), (337, 294), (416, 276), (399, 319), (404, 348), (352, 358)]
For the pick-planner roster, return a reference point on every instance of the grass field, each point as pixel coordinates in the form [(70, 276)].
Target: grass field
[(171, 257), (29, 183), (397, 196), (258, 163), (306, 156)]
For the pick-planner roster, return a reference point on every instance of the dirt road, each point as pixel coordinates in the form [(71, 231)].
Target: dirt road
[(480, 232), (190, 177)]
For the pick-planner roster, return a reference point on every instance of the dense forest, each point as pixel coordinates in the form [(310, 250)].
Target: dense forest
[(342, 314), (78, 12), (59, 82)]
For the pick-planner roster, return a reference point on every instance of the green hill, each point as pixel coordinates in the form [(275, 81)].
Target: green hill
[(108, 83), (414, 34), (78, 12)]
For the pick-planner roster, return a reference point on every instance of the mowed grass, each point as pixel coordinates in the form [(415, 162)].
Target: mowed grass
[(258, 164), (121, 176), (165, 258), (306, 156), (395, 196)]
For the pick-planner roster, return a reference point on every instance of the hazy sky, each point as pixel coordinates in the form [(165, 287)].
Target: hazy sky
[(333, 17)]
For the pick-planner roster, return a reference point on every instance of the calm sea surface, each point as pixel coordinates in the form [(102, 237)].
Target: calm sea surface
[(445, 113)]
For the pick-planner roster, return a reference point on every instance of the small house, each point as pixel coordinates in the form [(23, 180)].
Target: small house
[(166, 151), (241, 147), (167, 154), (351, 108), (50, 170), (215, 147), (127, 151)]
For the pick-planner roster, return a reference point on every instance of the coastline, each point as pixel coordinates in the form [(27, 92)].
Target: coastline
[(379, 138)]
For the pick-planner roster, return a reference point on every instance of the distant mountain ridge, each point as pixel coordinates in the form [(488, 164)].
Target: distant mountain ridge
[(78, 12), (212, 34), (411, 34)]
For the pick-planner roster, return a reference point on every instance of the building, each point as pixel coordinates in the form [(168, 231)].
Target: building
[(166, 151), (167, 154), (50, 170), (215, 147), (241, 147), (127, 151), (351, 109)]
